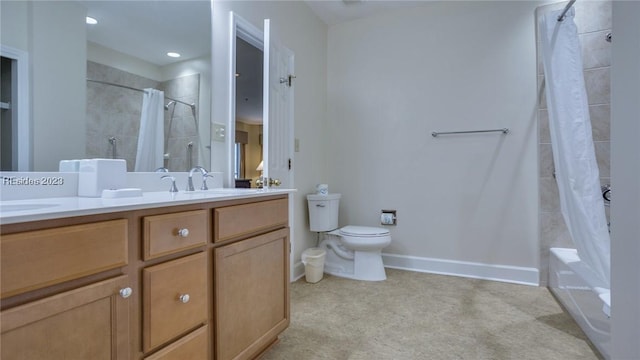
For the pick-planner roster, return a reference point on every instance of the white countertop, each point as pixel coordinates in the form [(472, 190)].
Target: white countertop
[(17, 211)]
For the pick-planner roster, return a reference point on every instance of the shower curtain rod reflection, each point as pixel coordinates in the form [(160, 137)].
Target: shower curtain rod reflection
[(566, 8), (192, 106)]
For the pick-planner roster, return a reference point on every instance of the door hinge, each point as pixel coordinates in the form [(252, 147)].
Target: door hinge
[(289, 163), (287, 80)]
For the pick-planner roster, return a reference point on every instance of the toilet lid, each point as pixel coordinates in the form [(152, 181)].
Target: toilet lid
[(363, 231)]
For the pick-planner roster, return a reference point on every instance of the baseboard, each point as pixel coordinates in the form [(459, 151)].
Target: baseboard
[(298, 271), (504, 273)]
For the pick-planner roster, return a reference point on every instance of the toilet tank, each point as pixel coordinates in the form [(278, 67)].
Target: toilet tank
[(323, 212)]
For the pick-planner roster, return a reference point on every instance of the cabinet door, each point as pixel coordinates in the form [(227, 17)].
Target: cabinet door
[(251, 294), (91, 322)]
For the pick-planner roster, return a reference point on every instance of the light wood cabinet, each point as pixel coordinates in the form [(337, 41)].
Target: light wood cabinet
[(35, 259), (191, 347), (251, 294), (169, 233), (175, 299), (242, 221), (91, 322), (217, 291)]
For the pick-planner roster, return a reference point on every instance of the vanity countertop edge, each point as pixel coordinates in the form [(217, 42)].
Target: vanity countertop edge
[(62, 207)]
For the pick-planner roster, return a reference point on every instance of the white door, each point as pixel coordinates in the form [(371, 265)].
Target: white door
[(278, 123), (278, 110)]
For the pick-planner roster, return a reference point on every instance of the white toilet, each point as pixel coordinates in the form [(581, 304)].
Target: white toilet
[(353, 252)]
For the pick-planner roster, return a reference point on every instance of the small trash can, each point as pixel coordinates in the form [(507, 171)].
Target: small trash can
[(313, 260)]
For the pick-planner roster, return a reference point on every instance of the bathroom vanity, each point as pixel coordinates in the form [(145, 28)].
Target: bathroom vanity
[(192, 277)]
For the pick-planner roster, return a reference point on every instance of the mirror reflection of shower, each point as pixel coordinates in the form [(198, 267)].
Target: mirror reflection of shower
[(113, 141), (176, 131), (114, 104)]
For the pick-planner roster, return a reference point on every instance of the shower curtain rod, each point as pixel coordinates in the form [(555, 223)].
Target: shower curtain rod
[(566, 8), (136, 89)]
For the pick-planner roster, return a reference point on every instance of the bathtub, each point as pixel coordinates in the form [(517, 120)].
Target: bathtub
[(585, 298)]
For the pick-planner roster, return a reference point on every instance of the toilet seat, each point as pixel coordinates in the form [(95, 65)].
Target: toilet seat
[(363, 231)]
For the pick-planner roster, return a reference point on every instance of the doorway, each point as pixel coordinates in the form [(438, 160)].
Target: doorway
[(15, 135), (248, 114)]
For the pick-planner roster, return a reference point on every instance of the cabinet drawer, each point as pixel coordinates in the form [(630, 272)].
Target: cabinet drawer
[(192, 347), (35, 259), (165, 234), (233, 222), (175, 299)]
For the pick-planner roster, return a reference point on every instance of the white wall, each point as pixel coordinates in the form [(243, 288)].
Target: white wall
[(107, 56), (300, 30), (57, 75), (57, 49), (392, 80), (625, 175), (15, 18)]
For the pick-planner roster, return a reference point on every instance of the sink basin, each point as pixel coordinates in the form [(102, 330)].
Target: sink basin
[(228, 191), (23, 207)]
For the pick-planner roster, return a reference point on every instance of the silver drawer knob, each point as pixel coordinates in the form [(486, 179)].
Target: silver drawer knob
[(183, 232), (126, 292), (184, 298)]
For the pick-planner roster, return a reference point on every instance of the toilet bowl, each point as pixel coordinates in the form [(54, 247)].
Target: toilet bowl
[(364, 238), (353, 252)]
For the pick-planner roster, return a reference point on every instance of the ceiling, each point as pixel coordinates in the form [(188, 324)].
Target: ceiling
[(337, 11), (150, 29)]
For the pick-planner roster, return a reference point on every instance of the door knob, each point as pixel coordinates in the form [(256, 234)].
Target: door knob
[(272, 182)]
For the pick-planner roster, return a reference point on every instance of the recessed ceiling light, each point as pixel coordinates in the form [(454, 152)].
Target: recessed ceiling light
[(173, 54), (91, 21)]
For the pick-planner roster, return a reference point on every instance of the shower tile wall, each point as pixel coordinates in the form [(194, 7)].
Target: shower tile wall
[(115, 112), (593, 19), (182, 130)]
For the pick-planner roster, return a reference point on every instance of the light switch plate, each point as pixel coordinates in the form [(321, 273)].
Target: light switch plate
[(218, 132)]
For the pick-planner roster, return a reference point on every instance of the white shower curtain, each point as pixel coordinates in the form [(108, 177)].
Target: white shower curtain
[(571, 140), (150, 154)]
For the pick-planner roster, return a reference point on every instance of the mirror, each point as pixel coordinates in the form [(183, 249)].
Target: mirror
[(87, 81)]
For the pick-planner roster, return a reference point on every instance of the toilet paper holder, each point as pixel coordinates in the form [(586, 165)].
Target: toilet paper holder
[(388, 217)]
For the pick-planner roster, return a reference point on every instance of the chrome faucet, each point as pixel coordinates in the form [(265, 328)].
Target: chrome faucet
[(174, 188), (204, 181), (204, 173)]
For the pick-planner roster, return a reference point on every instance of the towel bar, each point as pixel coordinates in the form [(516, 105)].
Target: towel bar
[(438, 133)]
